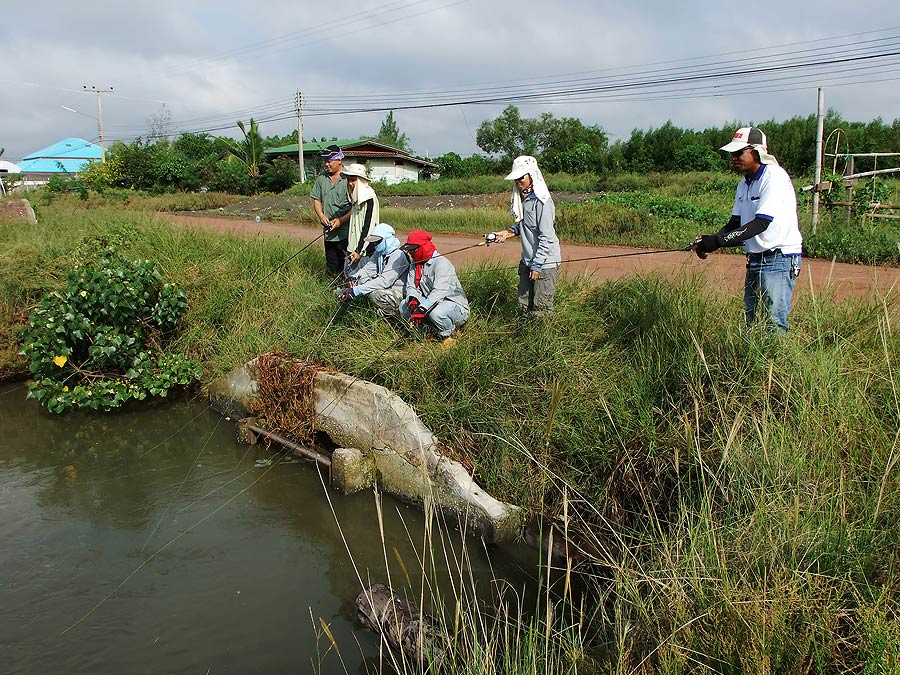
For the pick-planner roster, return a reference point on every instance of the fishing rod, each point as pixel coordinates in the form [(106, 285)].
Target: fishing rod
[(690, 247), (285, 262)]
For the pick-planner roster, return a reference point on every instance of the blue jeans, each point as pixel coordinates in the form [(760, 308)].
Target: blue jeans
[(444, 317), (770, 280)]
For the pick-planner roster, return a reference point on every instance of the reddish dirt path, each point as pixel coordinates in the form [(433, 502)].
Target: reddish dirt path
[(722, 271)]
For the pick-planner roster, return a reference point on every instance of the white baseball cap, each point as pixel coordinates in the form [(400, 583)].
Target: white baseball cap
[(750, 137), (744, 137)]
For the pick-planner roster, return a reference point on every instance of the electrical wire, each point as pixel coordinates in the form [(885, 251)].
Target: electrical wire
[(838, 59)]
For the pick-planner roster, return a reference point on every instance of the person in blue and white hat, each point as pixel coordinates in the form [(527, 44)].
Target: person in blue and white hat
[(383, 277), (763, 221)]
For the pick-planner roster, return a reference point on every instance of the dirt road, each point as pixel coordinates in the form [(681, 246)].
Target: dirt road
[(722, 271)]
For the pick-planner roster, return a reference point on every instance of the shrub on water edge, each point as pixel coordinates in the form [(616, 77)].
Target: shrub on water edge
[(100, 342)]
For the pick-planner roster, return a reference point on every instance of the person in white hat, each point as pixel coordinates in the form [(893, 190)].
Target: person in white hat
[(383, 277), (763, 221), (533, 211), (364, 212)]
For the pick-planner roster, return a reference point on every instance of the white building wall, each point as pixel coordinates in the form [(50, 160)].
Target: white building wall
[(387, 171)]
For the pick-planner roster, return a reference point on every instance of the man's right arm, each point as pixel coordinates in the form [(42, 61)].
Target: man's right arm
[(320, 213)]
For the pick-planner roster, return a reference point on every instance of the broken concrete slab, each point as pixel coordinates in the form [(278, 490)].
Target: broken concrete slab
[(382, 442)]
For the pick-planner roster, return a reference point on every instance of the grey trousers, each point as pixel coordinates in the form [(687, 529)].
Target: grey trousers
[(536, 297)]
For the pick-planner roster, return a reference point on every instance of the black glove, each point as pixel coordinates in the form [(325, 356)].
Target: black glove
[(344, 294), (707, 243), (417, 316)]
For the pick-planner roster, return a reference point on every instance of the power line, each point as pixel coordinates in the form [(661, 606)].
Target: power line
[(763, 71)]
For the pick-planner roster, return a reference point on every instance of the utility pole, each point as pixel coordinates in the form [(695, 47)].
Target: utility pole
[(817, 179), (300, 136), (93, 90)]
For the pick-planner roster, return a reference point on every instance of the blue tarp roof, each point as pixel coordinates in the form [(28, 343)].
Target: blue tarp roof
[(71, 153)]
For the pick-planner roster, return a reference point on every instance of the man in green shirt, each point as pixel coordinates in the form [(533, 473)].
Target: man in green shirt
[(332, 206)]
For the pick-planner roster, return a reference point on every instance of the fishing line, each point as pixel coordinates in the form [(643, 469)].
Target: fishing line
[(165, 546), (176, 432), (226, 484), (596, 257), (464, 248), (14, 389), (358, 377), (255, 283), (183, 481)]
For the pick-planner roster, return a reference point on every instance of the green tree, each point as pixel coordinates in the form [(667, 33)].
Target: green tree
[(277, 141), (451, 165), (510, 135), (139, 162), (195, 146), (561, 144), (248, 151), (698, 157), (571, 146), (390, 134), (279, 175)]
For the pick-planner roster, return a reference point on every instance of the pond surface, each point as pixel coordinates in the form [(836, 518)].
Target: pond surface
[(152, 542)]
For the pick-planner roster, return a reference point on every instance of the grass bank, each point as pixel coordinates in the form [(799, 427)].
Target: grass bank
[(735, 494)]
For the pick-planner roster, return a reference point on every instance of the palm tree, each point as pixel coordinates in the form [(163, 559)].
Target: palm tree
[(248, 151)]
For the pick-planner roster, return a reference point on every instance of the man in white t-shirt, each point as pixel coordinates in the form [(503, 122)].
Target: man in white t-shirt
[(764, 222)]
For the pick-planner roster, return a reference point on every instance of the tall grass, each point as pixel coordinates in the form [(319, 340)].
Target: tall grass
[(132, 199), (732, 495)]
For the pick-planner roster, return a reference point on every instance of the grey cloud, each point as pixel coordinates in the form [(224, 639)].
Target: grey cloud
[(209, 59)]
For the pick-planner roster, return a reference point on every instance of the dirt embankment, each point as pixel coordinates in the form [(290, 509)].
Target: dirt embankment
[(298, 208), (498, 200), (722, 271)]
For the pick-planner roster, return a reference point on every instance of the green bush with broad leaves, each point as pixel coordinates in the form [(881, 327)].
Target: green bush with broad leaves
[(101, 342)]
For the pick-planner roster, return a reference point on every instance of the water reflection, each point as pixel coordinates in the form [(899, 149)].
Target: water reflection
[(208, 562)]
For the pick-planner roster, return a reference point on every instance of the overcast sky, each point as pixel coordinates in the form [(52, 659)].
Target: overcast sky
[(618, 65)]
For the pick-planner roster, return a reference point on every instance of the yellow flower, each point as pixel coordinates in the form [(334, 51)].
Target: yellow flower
[(60, 360), (83, 294), (65, 388)]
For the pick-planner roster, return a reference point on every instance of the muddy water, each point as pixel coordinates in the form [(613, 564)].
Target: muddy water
[(151, 542)]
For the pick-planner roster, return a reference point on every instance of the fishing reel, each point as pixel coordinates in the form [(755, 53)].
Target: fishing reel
[(490, 238)]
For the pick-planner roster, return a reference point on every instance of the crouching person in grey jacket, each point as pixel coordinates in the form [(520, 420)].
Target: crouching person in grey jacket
[(382, 278), (434, 297)]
